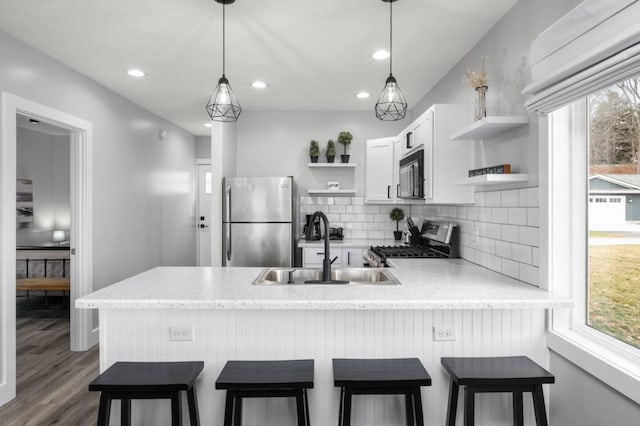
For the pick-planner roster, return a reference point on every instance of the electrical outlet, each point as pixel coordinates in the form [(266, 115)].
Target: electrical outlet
[(444, 333), (181, 334)]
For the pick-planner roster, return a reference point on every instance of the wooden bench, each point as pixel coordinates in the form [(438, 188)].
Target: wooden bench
[(44, 284)]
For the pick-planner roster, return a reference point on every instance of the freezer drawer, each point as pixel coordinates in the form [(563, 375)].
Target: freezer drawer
[(248, 199), (257, 244)]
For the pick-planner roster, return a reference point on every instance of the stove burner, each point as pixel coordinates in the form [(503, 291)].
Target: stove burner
[(417, 252)]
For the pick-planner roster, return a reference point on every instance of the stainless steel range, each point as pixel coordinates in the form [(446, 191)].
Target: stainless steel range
[(435, 240)]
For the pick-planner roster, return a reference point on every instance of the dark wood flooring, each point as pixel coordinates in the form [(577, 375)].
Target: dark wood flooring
[(51, 381)]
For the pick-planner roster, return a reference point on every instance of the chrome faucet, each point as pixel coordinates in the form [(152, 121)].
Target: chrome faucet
[(326, 263)]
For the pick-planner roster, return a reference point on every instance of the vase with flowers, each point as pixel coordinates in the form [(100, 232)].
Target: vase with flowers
[(479, 81)]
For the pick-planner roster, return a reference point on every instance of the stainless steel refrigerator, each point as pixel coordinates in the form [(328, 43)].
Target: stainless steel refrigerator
[(257, 221)]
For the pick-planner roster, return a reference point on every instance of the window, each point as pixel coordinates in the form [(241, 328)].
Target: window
[(207, 183), (614, 240)]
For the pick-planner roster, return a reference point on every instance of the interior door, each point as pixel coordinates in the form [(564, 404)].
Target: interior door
[(203, 222)]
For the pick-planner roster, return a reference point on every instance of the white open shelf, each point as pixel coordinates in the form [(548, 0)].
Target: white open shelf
[(489, 127), (494, 179), (332, 192), (331, 165)]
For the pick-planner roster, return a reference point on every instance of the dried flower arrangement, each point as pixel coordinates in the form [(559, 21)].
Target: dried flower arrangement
[(479, 78)]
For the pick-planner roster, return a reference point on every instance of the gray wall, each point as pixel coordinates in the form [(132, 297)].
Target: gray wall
[(203, 146), (277, 144), (44, 159), (143, 188), (577, 398)]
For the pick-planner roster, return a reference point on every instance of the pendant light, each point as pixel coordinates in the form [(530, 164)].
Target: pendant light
[(391, 105), (223, 104)]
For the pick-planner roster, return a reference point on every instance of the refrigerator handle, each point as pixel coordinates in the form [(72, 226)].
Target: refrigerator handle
[(228, 219)]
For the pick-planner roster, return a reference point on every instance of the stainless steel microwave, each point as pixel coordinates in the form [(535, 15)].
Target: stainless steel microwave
[(412, 176)]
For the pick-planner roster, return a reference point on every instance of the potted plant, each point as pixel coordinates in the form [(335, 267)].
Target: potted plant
[(344, 138), (397, 214), (331, 151), (314, 151)]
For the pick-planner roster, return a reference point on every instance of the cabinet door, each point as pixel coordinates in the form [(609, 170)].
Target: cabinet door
[(398, 149), (352, 257), (425, 133), (313, 257), (379, 183)]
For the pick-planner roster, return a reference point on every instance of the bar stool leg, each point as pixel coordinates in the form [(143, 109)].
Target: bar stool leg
[(417, 403), (518, 417), (538, 406), (228, 409), (300, 407), (306, 407), (346, 418), (469, 406), (125, 412), (237, 415), (105, 409), (408, 400), (192, 398), (453, 404), (176, 409), (341, 409)]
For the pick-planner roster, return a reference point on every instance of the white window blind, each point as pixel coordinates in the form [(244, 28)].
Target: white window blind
[(593, 46)]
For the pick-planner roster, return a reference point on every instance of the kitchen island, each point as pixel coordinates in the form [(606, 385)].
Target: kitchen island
[(491, 314)]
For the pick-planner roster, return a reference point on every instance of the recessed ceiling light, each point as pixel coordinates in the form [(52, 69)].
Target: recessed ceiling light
[(362, 95), (259, 84), (380, 55), (208, 125), (134, 72)]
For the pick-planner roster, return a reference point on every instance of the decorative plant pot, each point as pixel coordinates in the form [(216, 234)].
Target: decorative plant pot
[(344, 158), (481, 102), (314, 159), (397, 235), (330, 158)]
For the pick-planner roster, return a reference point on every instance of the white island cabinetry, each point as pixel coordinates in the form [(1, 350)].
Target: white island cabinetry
[(231, 319)]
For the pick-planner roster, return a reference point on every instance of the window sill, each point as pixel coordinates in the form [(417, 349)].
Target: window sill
[(603, 361)]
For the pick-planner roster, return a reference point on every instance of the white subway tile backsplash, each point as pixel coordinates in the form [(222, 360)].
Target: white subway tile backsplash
[(494, 263), (532, 216), (509, 233), (509, 198), (337, 209), (472, 213), (365, 217), (522, 253), (529, 197), (499, 215), (358, 201), (535, 256), (333, 217), (343, 201), (379, 234), (488, 245), (529, 274), (371, 209), (348, 217), (529, 235), (517, 216), (503, 249), (511, 268), (380, 217), (461, 212), (492, 199), (359, 234), (493, 230), (484, 214), (371, 226), (306, 200)]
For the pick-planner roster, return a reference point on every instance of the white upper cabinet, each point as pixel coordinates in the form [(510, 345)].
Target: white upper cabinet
[(379, 171), (445, 162)]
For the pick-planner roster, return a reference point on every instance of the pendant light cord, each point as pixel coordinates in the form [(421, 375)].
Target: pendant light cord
[(390, 37), (223, 39)]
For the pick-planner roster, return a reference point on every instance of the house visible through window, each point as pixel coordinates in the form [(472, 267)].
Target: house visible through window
[(613, 303)]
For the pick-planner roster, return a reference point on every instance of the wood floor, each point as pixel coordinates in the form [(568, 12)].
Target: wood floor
[(51, 381)]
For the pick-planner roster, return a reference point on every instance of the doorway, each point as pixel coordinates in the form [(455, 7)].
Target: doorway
[(203, 232), (83, 334)]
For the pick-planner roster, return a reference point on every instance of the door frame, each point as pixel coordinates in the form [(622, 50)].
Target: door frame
[(83, 335), (201, 162)]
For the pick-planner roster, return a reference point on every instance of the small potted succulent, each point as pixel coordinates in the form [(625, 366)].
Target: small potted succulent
[(397, 214), (344, 138), (314, 151), (331, 151)]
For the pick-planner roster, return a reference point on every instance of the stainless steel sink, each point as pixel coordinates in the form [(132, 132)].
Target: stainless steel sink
[(287, 276)]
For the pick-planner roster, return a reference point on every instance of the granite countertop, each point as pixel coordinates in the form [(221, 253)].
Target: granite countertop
[(425, 284)]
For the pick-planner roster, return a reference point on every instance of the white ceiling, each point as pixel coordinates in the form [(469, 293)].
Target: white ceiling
[(314, 54)]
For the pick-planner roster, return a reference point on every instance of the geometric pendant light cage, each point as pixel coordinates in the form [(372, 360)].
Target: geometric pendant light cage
[(223, 104)]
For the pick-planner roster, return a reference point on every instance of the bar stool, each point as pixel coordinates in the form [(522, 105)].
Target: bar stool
[(148, 380), (516, 374), (402, 376), (265, 379)]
